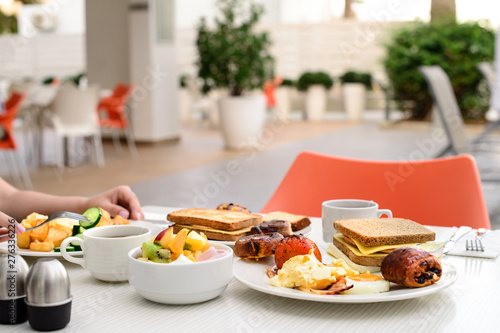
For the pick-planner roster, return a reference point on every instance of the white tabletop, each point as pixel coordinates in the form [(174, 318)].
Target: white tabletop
[(471, 303)]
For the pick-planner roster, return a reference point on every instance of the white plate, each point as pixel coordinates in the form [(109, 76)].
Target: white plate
[(253, 274), (155, 228), (306, 232)]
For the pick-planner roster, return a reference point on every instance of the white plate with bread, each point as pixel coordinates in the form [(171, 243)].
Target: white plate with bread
[(253, 274)]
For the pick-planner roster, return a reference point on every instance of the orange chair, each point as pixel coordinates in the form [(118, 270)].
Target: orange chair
[(8, 141), (112, 115), (439, 192)]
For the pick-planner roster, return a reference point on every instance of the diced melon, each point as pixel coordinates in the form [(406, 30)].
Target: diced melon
[(40, 233), (42, 246), (23, 240), (119, 220), (175, 255), (195, 241), (105, 219), (205, 247), (56, 235), (188, 254), (177, 244)]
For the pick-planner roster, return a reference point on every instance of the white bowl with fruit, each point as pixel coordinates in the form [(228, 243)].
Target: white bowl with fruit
[(182, 268)]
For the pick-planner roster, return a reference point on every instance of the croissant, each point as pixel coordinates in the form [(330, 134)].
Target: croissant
[(411, 267)]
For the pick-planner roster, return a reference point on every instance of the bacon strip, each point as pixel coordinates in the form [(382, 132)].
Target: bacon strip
[(335, 288)]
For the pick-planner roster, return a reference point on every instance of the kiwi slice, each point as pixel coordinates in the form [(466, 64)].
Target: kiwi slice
[(156, 253)]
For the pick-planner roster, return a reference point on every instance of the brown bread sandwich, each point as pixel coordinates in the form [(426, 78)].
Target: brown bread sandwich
[(216, 224), (298, 222), (366, 242)]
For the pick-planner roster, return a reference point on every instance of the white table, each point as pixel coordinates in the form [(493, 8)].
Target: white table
[(472, 303)]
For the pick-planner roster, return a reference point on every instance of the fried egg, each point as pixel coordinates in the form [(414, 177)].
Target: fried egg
[(366, 283)]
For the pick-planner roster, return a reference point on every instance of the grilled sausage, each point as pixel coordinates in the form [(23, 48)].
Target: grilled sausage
[(257, 246), (283, 227), (411, 267)]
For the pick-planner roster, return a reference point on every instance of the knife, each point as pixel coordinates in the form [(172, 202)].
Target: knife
[(451, 242)]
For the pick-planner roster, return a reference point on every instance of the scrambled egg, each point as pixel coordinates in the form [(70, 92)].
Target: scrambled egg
[(307, 271)]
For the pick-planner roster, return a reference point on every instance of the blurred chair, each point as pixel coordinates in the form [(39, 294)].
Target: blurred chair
[(73, 114), (493, 115), (451, 118), (113, 117), (8, 141), (440, 192), (202, 104)]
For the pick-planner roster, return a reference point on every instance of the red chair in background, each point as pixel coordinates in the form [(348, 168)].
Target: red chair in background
[(112, 116), (8, 141), (440, 192)]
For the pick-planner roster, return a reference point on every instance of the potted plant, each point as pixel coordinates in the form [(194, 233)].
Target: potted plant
[(235, 58), (354, 86), (283, 98), (315, 84), (185, 100)]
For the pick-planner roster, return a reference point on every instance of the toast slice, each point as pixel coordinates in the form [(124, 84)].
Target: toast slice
[(384, 231), (298, 222), (213, 234), (214, 218)]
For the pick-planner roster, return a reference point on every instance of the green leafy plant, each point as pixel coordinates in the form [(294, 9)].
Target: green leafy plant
[(182, 80), (231, 54), (288, 83), (457, 48), (357, 77), (311, 78)]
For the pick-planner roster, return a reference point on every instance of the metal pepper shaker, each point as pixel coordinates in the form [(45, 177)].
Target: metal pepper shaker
[(13, 272)]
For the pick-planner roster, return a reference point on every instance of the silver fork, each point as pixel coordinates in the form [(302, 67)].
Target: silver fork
[(476, 244), (59, 215)]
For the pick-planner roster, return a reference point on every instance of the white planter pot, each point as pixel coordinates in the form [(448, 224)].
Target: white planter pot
[(241, 120), (283, 102), (354, 95), (315, 102), (185, 105)]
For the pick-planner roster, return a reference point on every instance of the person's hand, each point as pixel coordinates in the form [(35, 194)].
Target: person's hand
[(7, 225), (118, 201)]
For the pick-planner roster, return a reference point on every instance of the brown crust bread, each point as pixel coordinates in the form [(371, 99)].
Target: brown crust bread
[(283, 227), (215, 218), (257, 246), (298, 222), (213, 235), (384, 231), (411, 267), (360, 260)]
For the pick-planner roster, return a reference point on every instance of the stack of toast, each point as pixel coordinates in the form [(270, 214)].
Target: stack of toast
[(230, 225)]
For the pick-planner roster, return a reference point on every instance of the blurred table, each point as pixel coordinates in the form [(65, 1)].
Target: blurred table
[(470, 304)]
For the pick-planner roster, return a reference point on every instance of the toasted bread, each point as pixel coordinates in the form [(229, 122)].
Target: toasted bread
[(214, 218), (384, 231), (215, 234), (298, 222)]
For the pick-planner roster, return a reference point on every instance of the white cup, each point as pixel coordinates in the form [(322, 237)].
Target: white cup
[(105, 250), (333, 210)]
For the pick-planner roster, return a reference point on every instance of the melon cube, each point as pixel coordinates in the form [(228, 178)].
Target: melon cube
[(195, 241)]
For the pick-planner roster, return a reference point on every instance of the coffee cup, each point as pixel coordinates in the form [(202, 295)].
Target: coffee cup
[(333, 210), (105, 250)]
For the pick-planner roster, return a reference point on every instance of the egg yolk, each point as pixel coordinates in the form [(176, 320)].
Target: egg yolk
[(365, 277)]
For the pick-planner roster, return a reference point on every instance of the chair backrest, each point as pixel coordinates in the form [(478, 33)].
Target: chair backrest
[(123, 90), (75, 107), (449, 112), (488, 71), (440, 192), (12, 106)]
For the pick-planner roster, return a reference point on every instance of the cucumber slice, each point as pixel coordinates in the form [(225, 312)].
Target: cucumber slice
[(78, 248), (93, 215), (76, 229), (74, 244), (68, 249)]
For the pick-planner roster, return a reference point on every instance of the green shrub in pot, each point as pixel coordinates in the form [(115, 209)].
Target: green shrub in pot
[(457, 48), (357, 77), (311, 78), (231, 55)]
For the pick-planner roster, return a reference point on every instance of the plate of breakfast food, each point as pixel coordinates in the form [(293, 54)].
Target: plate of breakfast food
[(394, 266), (230, 222), (46, 240)]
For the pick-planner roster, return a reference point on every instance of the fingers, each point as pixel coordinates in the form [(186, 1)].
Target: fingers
[(128, 199), (119, 201)]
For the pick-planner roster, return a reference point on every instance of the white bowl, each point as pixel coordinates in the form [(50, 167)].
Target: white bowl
[(181, 283)]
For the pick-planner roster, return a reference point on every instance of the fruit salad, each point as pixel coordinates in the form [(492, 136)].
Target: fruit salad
[(184, 247)]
